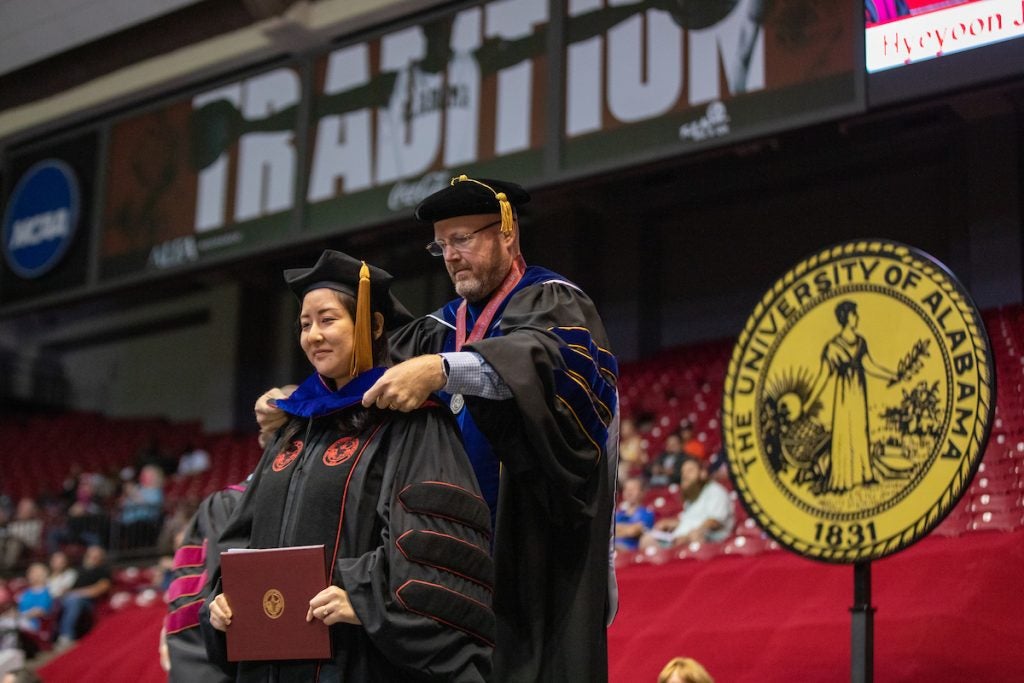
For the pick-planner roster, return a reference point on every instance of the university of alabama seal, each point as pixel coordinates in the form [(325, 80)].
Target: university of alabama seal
[(273, 603), (858, 401)]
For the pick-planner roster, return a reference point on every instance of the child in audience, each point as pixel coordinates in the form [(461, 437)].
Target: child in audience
[(35, 601), (632, 518)]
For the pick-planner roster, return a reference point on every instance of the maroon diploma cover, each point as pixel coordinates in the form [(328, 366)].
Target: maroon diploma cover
[(269, 593)]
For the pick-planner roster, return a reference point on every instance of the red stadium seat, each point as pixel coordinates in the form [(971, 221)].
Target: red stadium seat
[(1003, 520), (748, 527), (668, 505), (655, 555), (1003, 481), (745, 545), (995, 502), (700, 551), (654, 493)]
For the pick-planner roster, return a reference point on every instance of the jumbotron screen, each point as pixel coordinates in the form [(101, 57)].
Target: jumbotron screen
[(902, 32)]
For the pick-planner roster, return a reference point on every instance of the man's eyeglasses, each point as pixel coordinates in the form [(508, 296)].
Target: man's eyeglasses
[(460, 243)]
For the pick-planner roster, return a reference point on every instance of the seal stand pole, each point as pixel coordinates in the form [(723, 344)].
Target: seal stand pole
[(862, 644)]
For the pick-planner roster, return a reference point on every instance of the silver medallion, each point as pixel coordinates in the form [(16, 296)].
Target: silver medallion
[(457, 403)]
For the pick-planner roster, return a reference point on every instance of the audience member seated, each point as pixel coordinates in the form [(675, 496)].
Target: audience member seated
[(12, 655), (24, 534), (106, 487), (93, 582), (69, 486), (684, 670), (692, 446), (35, 602), (707, 514), (142, 509), (153, 453), (12, 658), (665, 468), (632, 518), (632, 455), (193, 461), (718, 465), (62, 575), (87, 522)]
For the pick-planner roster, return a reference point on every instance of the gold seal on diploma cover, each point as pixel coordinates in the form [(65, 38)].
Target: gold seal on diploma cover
[(273, 603), (858, 401)]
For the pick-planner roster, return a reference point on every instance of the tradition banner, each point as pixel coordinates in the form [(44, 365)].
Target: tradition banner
[(668, 77), (206, 176), (395, 116), (359, 135)]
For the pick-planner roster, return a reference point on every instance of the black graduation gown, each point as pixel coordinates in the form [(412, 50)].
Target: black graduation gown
[(412, 545), (195, 563), (556, 443)]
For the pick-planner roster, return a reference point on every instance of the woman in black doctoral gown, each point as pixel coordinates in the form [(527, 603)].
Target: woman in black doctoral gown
[(391, 495)]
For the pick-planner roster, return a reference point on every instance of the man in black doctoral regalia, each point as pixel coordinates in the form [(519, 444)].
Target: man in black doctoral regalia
[(522, 359), (195, 563)]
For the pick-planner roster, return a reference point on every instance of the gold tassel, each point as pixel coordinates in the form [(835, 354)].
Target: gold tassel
[(504, 205), (362, 347), (506, 213)]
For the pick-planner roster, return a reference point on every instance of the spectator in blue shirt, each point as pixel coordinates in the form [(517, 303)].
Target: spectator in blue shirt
[(36, 601), (632, 518)]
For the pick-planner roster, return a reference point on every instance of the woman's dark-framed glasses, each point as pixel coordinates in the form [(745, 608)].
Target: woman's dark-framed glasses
[(460, 243)]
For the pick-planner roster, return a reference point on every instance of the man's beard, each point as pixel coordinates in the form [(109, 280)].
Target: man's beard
[(692, 492), (474, 289)]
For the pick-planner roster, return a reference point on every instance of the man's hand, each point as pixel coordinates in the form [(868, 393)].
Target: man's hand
[(220, 613), (667, 524), (269, 417), (331, 606), (629, 530), (406, 386), (695, 536)]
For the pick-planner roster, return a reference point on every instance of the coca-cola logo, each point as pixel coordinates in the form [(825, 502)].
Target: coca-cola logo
[(407, 194)]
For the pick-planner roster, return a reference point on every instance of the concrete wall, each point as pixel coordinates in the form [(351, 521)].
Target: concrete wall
[(174, 359)]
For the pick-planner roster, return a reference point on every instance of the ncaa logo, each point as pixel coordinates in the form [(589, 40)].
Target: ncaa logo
[(41, 218)]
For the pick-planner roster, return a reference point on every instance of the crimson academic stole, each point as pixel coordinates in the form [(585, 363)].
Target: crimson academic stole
[(486, 317), (483, 322)]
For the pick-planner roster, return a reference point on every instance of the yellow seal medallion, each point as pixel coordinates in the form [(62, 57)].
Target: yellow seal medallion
[(858, 401), (273, 603)]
